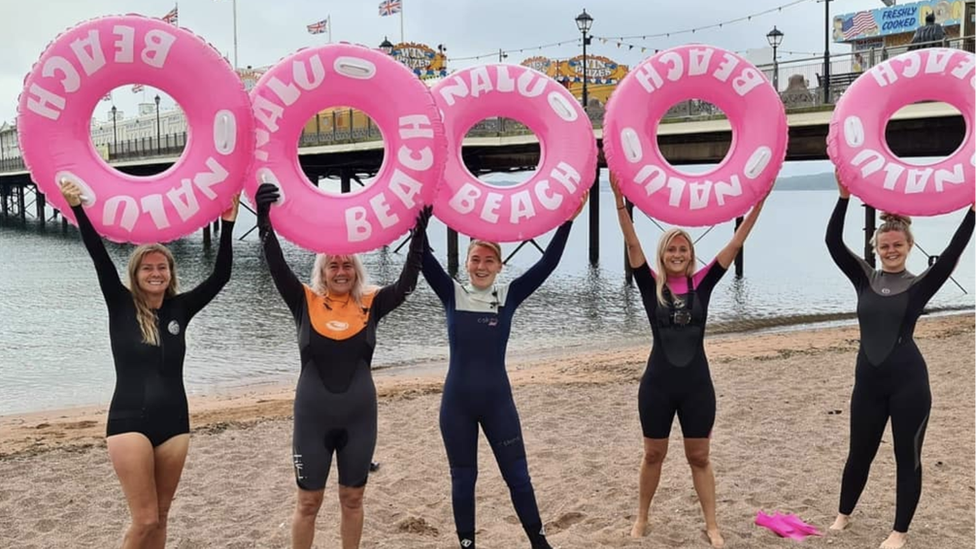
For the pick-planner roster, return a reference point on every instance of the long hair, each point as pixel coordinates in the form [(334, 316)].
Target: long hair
[(662, 246), (144, 314), (359, 289), (894, 222)]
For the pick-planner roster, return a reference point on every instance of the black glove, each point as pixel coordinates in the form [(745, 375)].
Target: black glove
[(266, 196), (422, 218)]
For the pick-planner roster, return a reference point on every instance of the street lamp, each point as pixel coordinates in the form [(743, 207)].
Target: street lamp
[(775, 38), (386, 46), (158, 146), (583, 23), (115, 132)]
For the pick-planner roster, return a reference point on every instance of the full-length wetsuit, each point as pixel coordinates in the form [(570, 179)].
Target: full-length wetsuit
[(677, 379), (477, 390), (890, 378), (149, 395), (335, 401)]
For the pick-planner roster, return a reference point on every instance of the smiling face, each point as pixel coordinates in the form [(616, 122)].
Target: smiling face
[(339, 273), (154, 274), (893, 248), (677, 256), (483, 266)]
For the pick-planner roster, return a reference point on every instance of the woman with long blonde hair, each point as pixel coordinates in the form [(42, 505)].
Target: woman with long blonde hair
[(148, 421), (335, 401), (677, 379)]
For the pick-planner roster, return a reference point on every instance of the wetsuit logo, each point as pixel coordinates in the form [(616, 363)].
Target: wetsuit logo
[(297, 461), (885, 291), (173, 327), (466, 543), (336, 325), (489, 320)]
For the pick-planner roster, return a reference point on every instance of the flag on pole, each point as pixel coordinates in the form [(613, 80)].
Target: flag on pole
[(389, 7), (318, 28), (173, 16), (136, 88)]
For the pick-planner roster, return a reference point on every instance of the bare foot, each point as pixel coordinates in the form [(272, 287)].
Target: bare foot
[(639, 527), (895, 540), (841, 523), (715, 537)]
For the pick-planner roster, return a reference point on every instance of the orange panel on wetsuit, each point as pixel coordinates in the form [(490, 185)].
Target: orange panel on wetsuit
[(334, 319)]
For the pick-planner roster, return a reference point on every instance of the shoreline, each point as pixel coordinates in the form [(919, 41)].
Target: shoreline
[(81, 427)]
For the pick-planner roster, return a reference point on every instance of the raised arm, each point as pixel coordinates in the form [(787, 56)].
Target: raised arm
[(288, 285), (197, 298), (843, 257), (635, 255), (932, 279), (108, 277), (728, 253), (436, 276), (390, 297)]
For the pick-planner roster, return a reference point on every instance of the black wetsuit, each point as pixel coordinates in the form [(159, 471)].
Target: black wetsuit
[(890, 378), (477, 390), (149, 396), (335, 401), (677, 379)]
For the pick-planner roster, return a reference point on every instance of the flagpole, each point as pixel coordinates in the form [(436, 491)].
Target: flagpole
[(329, 26), (235, 34), (401, 23)]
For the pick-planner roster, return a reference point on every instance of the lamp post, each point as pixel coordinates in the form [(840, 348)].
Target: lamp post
[(115, 132), (158, 145), (826, 58), (775, 38), (583, 23), (386, 46)]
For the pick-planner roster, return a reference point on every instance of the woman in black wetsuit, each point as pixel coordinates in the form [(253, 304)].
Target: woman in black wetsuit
[(677, 379), (890, 378), (335, 401), (148, 422)]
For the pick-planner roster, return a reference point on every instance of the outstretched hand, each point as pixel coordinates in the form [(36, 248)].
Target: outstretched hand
[(71, 192), (615, 187), (230, 214), (266, 196), (423, 217)]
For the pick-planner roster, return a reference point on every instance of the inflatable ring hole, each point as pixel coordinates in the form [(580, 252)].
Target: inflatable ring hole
[(504, 127), (696, 109), (338, 126), (949, 139), (147, 130)]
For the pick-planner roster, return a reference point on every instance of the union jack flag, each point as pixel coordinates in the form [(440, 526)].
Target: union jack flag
[(318, 28), (173, 17), (861, 23), (389, 7), (136, 88)]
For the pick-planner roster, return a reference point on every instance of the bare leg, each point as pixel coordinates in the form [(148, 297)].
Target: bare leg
[(169, 458), (655, 450), (896, 540), (351, 502), (132, 458), (303, 522), (696, 450)]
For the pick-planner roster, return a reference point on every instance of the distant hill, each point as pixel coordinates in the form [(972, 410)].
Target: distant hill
[(813, 182)]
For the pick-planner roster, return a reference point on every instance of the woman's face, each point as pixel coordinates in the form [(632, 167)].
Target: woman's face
[(483, 266), (154, 275), (677, 256), (892, 248), (340, 275)]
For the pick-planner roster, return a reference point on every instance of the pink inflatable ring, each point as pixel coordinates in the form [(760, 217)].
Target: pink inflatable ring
[(312, 79), (856, 141), (567, 165), (75, 72), (745, 175)]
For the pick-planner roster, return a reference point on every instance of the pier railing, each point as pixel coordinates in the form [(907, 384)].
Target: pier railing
[(802, 85)]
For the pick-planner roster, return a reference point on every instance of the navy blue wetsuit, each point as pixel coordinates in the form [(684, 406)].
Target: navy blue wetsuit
[(677, 379), (891, 378), (149, 395), (477, 389)]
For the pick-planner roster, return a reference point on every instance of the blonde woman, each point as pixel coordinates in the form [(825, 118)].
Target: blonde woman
[(148, 422), (677, 379), (335, 401)]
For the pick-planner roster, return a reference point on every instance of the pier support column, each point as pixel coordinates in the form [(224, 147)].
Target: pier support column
[(41, 201), (452, 252), (738, 257), (20, 204), (869, 227), (207, 241), (628, 271), (4, 206), (595, 220)]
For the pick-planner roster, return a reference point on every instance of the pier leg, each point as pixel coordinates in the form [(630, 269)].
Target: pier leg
[(452, 252), (41, 201), (628, 272), (345, 180), (869, 227), (206, 236), (595, 220), (738, 256), (64, 224), (20, 205), (4, 192)]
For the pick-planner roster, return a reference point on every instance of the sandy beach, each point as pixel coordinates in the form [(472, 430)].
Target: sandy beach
[(779, 443)]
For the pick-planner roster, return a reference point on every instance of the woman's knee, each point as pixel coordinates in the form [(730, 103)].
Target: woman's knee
[(697, 459), (145, 525), (309, 503), (351, 498), (654, 455)]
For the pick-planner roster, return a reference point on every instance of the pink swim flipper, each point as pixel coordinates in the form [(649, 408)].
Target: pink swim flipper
[(798, 525), (786, 526)]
